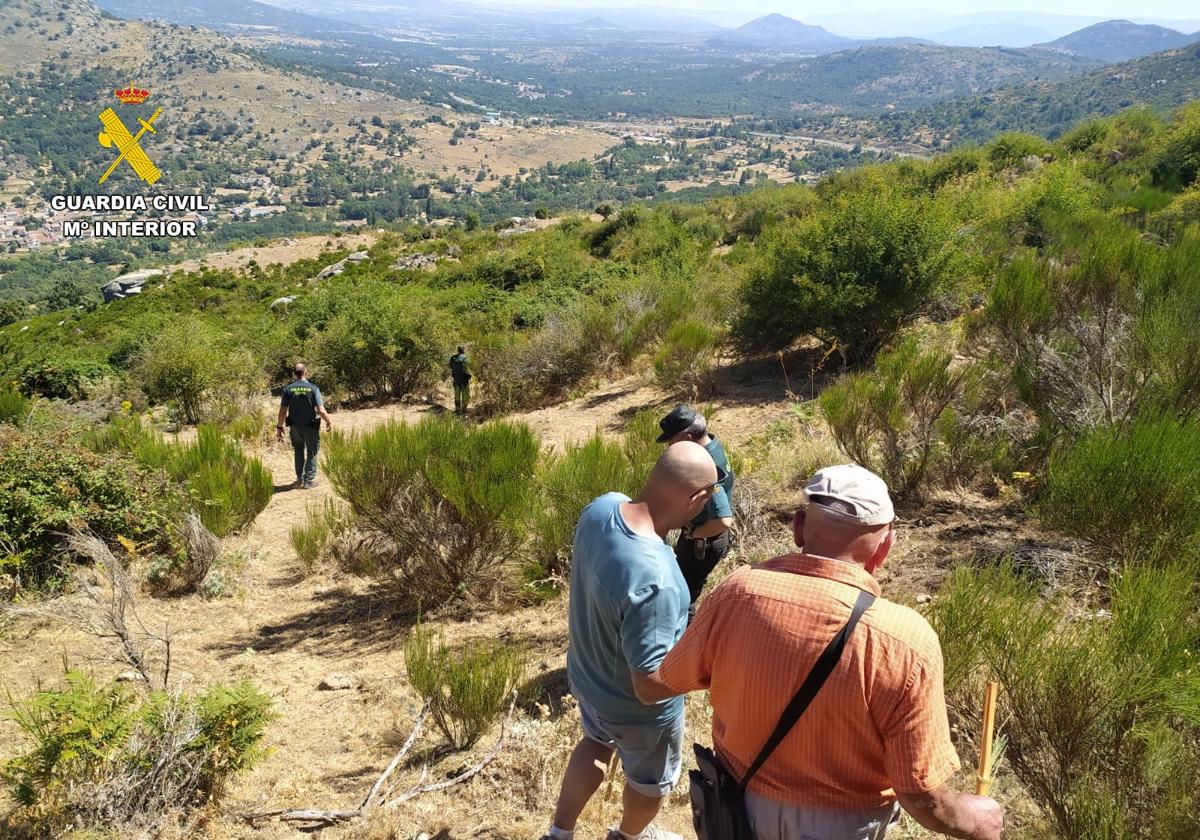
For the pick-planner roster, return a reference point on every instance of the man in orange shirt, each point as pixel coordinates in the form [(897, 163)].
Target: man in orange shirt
[(876, 736)]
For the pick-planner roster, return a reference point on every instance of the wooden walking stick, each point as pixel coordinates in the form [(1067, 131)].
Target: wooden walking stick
[(983, 781)]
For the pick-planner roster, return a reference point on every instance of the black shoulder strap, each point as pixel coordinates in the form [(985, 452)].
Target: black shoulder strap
[(816, 678)]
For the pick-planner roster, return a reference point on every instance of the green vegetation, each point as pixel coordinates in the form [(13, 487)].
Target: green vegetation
[(443, 505), (918, 412), (853, 272), (468, 690), (1052, 107), (98, 758), (50, 482), (309, 538), (1101, 711), (228, 487), (569, 482), (1133, 492), (192, 367), (14, 408)]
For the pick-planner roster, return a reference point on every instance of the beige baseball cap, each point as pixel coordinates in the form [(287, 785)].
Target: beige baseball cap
[(858, 487)]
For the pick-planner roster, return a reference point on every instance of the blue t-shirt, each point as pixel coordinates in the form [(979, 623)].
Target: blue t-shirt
[(628, 607)]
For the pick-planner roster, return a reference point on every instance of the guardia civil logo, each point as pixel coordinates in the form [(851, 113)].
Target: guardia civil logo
[(128, 146)]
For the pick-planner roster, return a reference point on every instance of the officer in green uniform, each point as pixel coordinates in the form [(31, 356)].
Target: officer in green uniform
[(462, 381), (705, 540), (302, 409)]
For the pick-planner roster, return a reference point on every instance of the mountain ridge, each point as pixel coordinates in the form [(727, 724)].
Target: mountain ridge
[(1119, 40)]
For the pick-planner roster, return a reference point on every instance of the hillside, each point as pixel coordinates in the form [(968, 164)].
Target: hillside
[(907, 75), (788, 32), (1120, 40), (232, 16), (1004, 333), (1163, 81)]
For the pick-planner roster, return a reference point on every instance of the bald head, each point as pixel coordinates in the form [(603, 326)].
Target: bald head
[(680, 484), (685, 463)]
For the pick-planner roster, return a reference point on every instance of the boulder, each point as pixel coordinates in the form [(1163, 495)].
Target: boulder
[(337, 682), (358, 256), (332, 270)]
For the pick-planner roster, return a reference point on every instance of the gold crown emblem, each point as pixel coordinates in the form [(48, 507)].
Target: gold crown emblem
[(132, 95)]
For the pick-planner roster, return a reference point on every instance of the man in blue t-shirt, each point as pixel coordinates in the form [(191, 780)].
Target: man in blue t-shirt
[(302, 409), (628, 607), (704, 541)]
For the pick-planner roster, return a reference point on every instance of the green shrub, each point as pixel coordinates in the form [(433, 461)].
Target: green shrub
[(852, 273), (641, 445), (443, 505), (57, 374), (916, 412), (1103, 329), (467, 691), (181, 366), (228, 488), (100, 760), (380, 343), (198, 370), (685, 360), (1133, 492), (1101, 713), (76, 732), (1009, 150), (1183, 211), (14, 407), (309, 538), (520, 371), (50, 483), (1179, 156)]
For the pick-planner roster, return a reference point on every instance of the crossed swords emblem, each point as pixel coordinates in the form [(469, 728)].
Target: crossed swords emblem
[(116, 134)]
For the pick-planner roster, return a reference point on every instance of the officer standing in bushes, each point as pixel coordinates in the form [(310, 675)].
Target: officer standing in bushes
[(302, 409), (462, 381), (705, 540)]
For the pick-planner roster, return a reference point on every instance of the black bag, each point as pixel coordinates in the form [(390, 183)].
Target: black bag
[(719, 799)]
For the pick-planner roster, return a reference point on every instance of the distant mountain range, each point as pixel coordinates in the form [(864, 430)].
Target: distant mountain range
[(1120, 40)]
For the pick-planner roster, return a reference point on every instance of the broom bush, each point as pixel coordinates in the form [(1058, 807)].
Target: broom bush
[(467, 691), (444, 506), (1133, 493), (1100, 708)]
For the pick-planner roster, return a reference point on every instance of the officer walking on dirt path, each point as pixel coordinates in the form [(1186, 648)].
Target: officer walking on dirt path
[(302, 409), (462, 381), (704, 541)]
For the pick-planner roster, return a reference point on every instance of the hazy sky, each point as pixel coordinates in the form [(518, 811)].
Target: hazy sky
[(1171, 9)]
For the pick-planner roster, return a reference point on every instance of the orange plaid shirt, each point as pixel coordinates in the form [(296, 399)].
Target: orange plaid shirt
[(879, 722)]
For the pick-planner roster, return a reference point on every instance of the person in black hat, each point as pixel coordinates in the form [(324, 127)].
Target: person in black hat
[(705, 540)]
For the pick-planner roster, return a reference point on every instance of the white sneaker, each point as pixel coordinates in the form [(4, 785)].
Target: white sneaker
[(650, 832)]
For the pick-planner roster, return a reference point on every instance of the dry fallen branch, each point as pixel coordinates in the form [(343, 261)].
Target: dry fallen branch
[(117, 602), (315, 817)]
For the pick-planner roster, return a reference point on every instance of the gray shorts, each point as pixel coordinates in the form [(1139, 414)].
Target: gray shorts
[(773, 820), (651, 754)]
